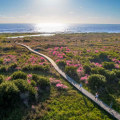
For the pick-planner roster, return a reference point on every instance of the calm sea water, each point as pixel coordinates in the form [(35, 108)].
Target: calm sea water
[(59, 28)]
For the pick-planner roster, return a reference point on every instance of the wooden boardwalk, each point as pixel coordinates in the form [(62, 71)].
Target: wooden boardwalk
[(112, 112)]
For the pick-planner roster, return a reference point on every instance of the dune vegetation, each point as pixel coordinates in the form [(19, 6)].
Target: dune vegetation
[(30, 88)]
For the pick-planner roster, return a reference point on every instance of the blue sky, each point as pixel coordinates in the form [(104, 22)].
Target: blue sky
[(60, 11)]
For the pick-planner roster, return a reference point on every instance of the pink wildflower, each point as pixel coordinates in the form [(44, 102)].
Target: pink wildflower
[(29, 81), (8, 78), (29, 75)]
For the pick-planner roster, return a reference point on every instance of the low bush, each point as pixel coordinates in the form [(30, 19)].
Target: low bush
[(33, 83), (98, 70), (108, 65), (27, 68), (12, 67), (3, 69), (1, 61), (9, 94), (117, 73), (24, 86), (1, 79), (61, 63), (87, 69), (95, 81), (43, 82), (35, 77), (110, 76), (103, 55), (19, 75), (71, 71)]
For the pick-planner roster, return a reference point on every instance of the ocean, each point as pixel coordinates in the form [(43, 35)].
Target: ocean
[(60, 28)]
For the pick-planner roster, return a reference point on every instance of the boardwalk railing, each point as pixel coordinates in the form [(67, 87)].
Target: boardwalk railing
[(100, 103)]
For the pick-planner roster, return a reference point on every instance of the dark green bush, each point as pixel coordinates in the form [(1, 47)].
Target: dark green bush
[(61, 63), (38, 68), (35, 77), (19, 75), (117, 73), (43, 82), (71, 71), (96, 81), (9, 94), (12, 67), (3, 69), (24, 86), (33, 83), (1, 61), (27, 68), (108, 65), (110, 76), (1, 79), (87, 69), (98, 70), (41, 68), (103, 55), (46, 68)]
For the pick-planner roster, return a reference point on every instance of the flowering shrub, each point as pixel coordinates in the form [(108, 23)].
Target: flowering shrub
[(97, 64), (54, 81), (58, 84), (61, 86), (7, 59), (8, 78)]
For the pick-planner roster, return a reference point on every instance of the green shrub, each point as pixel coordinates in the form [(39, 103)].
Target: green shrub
[(46, 68), (96, 81), (1, 61), (38, 68), (71, 71), (108, 65), (9, 94), (98, 70), (27, 68), (61, 63), (1, 79), (87, 69), (12, 67), (43, 82), (35, 77), (24, 86), (110, 76), (33, 83), (19, 75), (103, 55), (3, 69), (117, 73)]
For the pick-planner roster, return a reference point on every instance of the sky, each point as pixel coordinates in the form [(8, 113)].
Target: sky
[(60, 11)]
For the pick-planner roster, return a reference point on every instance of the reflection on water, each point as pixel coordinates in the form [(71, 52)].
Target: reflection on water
[(59, 28), (50, 28)]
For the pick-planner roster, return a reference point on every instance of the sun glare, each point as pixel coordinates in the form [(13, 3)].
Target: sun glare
[(50, 27)]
